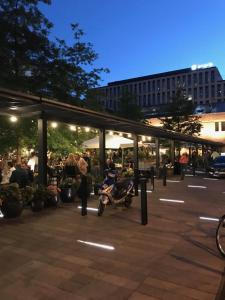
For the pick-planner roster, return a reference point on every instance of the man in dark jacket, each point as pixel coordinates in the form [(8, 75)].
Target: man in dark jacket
[(19, 176)]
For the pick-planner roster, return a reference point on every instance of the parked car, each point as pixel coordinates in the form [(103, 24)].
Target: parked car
[(217, 167)]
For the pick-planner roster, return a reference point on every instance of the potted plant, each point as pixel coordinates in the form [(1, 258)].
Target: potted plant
[(53, 195), (68, 189), (11, 201), (39, 199)]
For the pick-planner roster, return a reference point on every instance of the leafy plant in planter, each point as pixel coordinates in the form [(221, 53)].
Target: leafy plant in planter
[(39, 199), (27, 195), (69, 187), (53, 197), (11, 201)]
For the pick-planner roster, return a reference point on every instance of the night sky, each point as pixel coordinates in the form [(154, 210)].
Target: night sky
[(141, 37)]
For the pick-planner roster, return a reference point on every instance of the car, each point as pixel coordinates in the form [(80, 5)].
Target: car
[(217, 167)]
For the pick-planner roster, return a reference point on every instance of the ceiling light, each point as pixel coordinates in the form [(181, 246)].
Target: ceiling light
[(54, 124), (13, 119)]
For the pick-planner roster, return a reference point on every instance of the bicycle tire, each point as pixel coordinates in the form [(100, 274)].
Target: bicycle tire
[(219, 232)]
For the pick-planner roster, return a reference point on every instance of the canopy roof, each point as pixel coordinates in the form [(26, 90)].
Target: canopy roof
[(16, 103)]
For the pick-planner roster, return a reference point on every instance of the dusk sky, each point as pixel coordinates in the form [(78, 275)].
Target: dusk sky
[(141, 37)]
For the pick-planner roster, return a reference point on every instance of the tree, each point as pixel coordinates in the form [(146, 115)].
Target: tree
[(31, 62), (179, 115), (128, 108), (15, 136), (93, 100)]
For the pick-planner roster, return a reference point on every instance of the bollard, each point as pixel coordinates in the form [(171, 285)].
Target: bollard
[(83, 195), (182, 172), (136, 178), (144, 209), (152, 173), (164, 171)]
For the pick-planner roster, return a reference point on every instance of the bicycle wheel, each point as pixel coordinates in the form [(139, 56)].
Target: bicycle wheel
[(220, 236)]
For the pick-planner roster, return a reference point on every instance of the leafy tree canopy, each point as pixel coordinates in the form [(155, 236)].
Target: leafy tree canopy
[(128, 108), (179, 115), (31, 62)]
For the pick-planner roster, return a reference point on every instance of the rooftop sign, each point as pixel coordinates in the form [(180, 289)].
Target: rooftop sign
[(202, 66)]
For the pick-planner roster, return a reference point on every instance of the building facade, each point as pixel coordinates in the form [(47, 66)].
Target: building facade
[(202, 84), (213, 126)]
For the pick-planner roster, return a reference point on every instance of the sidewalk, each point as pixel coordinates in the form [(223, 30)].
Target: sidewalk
[(173, 257)]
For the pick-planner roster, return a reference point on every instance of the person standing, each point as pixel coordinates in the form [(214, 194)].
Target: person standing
[(183, 164)]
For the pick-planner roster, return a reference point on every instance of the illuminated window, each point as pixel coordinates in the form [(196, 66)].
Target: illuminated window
[(222, 126), (216, 126)]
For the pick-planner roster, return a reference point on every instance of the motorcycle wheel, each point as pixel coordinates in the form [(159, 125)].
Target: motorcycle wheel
[(128, 201), (101, 208)]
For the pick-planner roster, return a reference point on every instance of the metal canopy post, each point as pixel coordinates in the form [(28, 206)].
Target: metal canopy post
[(42, 151), (157, 155), (136, 170), (102, 150), (172, 151)]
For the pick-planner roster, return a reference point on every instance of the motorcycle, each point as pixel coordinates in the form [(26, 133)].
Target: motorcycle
[(118, 193)]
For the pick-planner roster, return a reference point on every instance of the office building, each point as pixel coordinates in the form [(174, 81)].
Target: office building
[(202, 84)]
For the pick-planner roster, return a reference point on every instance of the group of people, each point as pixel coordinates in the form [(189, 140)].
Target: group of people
[(185, 160)]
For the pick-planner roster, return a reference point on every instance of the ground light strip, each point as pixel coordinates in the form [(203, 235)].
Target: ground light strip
[(189, 175), (210, 178), (197, 186), (89, 208), (107, 247), (173, 180), (209, 219), (171, 200), (146, 191)]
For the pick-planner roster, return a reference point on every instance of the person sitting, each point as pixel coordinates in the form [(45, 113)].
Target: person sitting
[(19, 176)]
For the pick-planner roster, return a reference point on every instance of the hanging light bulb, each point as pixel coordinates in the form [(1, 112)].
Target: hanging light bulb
[(87, 129), (54, 124), (72, 127), (110, 133), (13, 119), (129, 135)]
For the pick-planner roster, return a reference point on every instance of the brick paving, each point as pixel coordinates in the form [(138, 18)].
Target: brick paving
[(173, 257)]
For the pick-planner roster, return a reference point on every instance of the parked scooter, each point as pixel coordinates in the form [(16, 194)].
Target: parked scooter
[(115, 192)]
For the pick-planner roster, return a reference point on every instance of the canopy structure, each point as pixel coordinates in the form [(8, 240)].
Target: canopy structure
[(26, 105)]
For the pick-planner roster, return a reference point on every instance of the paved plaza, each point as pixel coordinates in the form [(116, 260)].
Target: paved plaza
[(174, 257)]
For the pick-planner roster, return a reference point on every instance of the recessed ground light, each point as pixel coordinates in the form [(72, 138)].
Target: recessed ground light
[(209, 219), (1, 214), (89, 208), (172, 180), (197, 186), (107, 247), (171, 200), (210, 178), (148, 191), (189, 175)]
